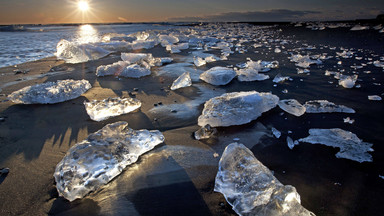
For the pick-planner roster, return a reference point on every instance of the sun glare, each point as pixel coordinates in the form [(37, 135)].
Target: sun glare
[(83, 5)]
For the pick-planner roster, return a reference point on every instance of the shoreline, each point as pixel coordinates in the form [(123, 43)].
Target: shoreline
[(177, 177)]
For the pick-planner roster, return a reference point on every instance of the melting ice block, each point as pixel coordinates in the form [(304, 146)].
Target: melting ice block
[(304, 61), (276, 133), (218, 75), (279, 78), (292, 106), (250, 74), (104, 109), (72, 52), (50, 92), (102, 156), (122, 68), (236, 108), (205, 132), (351, 147), (250, 187), (374, 97), (347, 81), (324, 106), (184, 80)]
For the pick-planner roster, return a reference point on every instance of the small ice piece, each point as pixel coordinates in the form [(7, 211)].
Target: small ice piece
[(290, 143), (348, 120), (102, 156), (351, 147), (374, 97), (177, 47), (215, 155), (276, 133), (359, 28), (198, 61), (277, 50), (168, 40), (236, 108), (348, 81), (381, 176), (324, 106), (292, 106), (50, 92), (379, 64), (184, 80), (302, 71), (279, 78), (133, 58), (218, 75), (250, 187), (121, 68), (205, 132), (304, 61), (104, 109), (250, 74), (72, 52)]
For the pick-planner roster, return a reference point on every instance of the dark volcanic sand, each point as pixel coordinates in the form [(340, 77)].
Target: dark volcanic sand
[(177, 177)]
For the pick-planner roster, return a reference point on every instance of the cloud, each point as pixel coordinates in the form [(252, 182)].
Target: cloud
[(253, 16), (122, 19)]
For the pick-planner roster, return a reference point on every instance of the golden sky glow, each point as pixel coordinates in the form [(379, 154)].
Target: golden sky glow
[(103, 11)]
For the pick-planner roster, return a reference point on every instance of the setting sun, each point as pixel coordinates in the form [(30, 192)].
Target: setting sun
[(83, 5)]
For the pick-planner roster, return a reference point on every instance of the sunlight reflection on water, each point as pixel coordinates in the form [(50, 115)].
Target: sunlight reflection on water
[(87, 34)]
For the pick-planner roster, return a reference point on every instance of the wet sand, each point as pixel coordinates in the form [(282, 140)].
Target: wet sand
[(177, 177)]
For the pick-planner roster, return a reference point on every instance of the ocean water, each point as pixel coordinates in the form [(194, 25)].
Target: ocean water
[(39, 42)]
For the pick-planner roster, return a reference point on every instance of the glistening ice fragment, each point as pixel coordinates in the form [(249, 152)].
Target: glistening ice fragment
[(104, 109), (351, 147), (236, 108), (50, 92), (102, 156), (250, 187)]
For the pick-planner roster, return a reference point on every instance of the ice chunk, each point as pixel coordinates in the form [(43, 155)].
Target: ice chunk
[(304, 61), (374, 97), (348, 81), (218, 75), (292, 106), (184, 80), (72, 52), (102, 156), (378, 64), (279, 78), (324, 106), (133, 58), (276, 133), (104, 109), (348, 120), (359, 28), (250, 74), (177, 48), (122, 68), (140, 58), (277, 50), (250, 187), (345, 54), (236, 108), (198, 61), (168, 40), (205, 132), (351, 147), (50, 92), (290, 142)]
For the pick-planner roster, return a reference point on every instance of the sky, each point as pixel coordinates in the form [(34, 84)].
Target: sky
[(66, 11)]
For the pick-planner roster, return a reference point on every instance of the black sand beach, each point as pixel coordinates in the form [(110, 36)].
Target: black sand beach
[(177, 177)]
